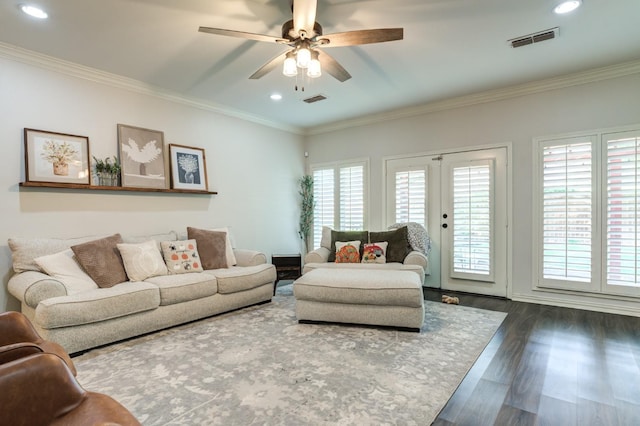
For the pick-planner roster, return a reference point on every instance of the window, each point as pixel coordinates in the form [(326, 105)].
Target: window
[(589, 213), (340, 197)]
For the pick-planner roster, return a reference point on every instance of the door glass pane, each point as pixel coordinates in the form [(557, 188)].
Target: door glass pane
[(623, 207), (410, 196), (472, 220)]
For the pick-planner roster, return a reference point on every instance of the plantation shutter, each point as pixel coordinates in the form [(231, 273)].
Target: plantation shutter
[(324, 210), (472, 221), (410, 196), (351, 198), (623, 210), (567, 211)]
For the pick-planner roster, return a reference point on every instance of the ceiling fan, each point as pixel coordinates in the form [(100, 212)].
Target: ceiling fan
[(304, 36)]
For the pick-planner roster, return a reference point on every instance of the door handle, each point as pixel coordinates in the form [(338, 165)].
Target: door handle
[(444, 225)]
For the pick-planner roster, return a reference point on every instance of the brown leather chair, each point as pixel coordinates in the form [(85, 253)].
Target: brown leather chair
[(16, 328), (41, 390)]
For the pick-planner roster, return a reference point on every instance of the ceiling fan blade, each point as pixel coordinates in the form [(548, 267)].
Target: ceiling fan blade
[(304, 16), (332, 67), (352, 38), (268, 67), (242, 34)]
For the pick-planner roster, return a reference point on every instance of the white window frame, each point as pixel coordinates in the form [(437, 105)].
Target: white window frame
[(598, 282), (336, 166)]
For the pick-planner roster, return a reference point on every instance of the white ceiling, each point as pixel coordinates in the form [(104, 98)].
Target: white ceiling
[(451, 48)]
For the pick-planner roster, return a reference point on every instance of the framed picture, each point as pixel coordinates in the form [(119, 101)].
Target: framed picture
[(56, 157), (141, 153), (188, 167)]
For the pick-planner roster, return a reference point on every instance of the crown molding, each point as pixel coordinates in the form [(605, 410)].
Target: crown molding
[(72, 69), (584, 77)]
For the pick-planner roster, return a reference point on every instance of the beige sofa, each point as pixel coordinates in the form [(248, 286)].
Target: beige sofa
[(409, 260), (86, 318)]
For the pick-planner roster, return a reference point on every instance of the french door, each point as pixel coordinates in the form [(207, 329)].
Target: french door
[(473, 226)]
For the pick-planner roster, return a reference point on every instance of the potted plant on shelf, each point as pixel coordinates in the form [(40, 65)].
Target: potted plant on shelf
[(107, 172), (307, 204)]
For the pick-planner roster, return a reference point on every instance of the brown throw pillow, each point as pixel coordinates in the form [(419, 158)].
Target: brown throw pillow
[(211, 247), (346, 236), (101, 260), (398, 240)]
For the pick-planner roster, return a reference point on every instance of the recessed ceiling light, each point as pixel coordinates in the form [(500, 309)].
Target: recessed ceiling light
[(276, 96), (567, 6), (34, 11)]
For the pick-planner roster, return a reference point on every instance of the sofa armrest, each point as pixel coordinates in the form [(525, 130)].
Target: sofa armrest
[(319, 255), (417, 258), (32, 287), (246, 257)]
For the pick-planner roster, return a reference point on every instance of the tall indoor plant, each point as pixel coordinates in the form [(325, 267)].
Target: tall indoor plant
[(307, 204)]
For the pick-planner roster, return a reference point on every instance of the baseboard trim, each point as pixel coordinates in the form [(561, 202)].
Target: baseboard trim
[(584, 305)]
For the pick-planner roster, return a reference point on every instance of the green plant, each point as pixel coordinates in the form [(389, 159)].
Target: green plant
[(106, 166), (307, 205)]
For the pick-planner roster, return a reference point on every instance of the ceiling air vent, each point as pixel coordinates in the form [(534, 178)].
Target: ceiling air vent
[(534, 38), (315, 98)]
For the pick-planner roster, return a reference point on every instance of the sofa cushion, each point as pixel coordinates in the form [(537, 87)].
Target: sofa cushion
[(25, 250), (235, 279), (212, 247), (184, 287), (398, 240), (158, 238), (63, 267), (97, 305), (142, 260), (101, 260), (181, 257), (346, 236)]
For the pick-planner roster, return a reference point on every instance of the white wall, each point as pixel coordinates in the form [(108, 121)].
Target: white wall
[(254, 168), (602, 104)]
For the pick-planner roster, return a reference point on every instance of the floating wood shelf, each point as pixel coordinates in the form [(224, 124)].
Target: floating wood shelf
[(110, 188)]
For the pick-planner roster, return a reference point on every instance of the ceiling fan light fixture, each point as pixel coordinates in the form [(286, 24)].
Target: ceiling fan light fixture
[(290, 68), (303, 57), (567, 6), (34, 11), (314, 70)]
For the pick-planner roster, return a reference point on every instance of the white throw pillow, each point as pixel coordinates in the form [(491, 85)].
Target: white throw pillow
[(348, 252), (64, 267), (325, 241), (142, 260), (375, 252)]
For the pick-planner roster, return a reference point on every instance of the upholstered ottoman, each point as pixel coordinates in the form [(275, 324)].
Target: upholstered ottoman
[(375, 297)]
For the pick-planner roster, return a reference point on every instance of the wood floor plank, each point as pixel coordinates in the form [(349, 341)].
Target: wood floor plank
[(515, 417), (483, 406), (553, 412)]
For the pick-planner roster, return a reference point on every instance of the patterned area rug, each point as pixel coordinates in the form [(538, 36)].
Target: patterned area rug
[(258, 366)]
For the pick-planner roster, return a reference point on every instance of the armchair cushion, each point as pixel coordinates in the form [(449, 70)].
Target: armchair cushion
[(398, 239), (40, 390)]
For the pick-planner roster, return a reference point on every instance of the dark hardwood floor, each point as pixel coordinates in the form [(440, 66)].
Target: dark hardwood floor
[(550, 366)]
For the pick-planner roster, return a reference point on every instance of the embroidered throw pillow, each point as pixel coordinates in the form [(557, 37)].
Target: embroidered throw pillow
[(348, 252), (181, 256), (345, 236), (101, 260), (375, 253), (142, 260)]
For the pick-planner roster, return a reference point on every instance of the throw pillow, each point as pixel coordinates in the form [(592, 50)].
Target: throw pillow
[(101, 260), (212, 247), (375, 252), (142, 260), (63, 267), (346, 236), (181, 256), (398, 240), (231, 257), (347, 252)]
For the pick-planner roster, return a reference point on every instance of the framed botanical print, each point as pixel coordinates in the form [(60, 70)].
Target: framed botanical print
[(56, 157), (141, 154), (188, 167)]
